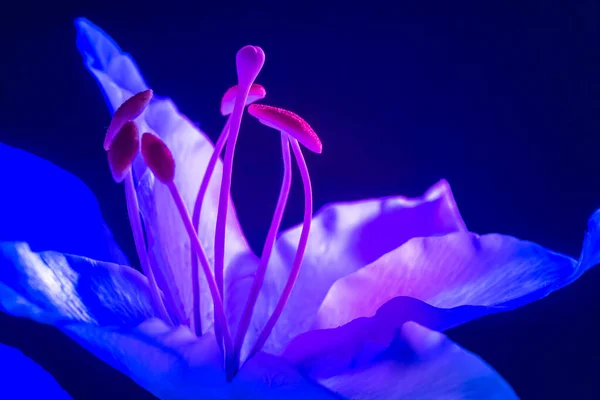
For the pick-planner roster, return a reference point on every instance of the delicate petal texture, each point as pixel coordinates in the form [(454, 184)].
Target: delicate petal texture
[(173, 363), (418, 364), (53, 288), (439, 282), (119, 78), (375, 332), (21, 378), (344, 237), (51, 209), (458, 269)]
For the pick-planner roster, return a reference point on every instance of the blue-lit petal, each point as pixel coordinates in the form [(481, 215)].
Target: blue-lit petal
[(173, 363), (418, 364), (344, 238), (459, 269), (119, 78), (21, 378), (50, 209), (439, 282), (54, 288)]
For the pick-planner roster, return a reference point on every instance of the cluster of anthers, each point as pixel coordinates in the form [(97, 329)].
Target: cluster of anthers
[(122, 144)]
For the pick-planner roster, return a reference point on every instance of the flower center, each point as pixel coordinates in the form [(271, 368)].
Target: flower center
[(122, 144)]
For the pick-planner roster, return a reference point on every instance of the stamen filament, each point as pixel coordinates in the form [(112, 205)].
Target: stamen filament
[(289, 286), (234, 129), (268, 246), (219, 312), (138, 236), (196, 317), (221, 226)]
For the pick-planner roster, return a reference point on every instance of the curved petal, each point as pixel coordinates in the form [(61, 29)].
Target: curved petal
[(441, 282), (119, 78), (344, 237), (52, 288), (460, 269), (175, 364), (357, 233), (417, 364), (50, 209), (18, 372)]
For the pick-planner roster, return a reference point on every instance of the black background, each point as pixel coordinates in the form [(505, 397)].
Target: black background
[(503, 101)]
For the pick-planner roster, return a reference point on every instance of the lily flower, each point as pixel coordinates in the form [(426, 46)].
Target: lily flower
[(348, 305)]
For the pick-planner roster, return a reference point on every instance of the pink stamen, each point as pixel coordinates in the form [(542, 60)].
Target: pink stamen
[(289, 122), (159, 159), (128, 111), (268, 246), (249, 61), (289, 286), (257, 92), (123, 150)]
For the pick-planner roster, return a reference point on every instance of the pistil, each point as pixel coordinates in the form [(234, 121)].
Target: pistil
[(249, 61), (256, 92)]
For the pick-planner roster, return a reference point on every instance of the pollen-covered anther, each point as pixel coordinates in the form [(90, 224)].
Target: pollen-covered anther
[(257, 92), (128, 111), (158, 157), (288, 122), (123, 150)]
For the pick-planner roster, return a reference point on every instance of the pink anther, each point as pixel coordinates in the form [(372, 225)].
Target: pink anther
[(123, 150), (288, 122), (128, 111), (257, 92), (158, 157)]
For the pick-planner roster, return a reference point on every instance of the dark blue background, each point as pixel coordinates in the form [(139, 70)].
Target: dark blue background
[(502, 101)]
